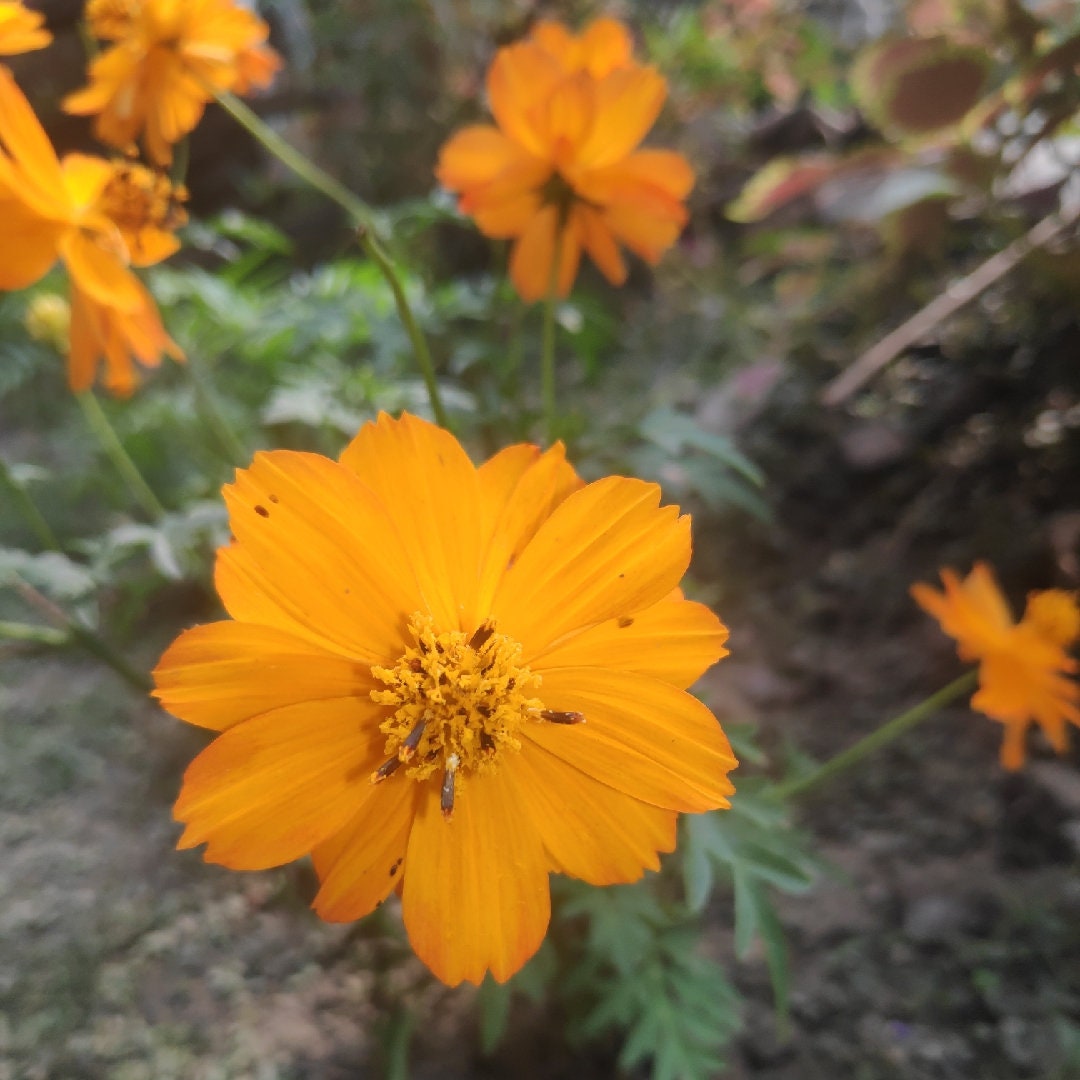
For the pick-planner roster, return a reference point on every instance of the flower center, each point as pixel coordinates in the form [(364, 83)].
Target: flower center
[(111, 20), (459, 701), (137, 198)]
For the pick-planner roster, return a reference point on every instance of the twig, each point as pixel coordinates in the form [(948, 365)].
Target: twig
[(955, 297)]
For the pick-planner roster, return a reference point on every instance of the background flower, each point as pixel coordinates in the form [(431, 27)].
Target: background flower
[(65, 210), (167, 59), (561, 173), (1023, 667)]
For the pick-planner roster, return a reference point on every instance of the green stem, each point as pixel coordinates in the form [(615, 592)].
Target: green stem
[(362, 217), (884, 735), (74, 631), (547, 346), (110, 442), (35, 635), (228, 441), (34, 517)]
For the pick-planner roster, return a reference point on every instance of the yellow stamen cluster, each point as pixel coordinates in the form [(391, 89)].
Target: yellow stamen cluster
[(458, 699), (138, 198), (111, 20)]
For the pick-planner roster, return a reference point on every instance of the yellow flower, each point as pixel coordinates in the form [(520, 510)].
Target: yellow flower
[(98, 217), (562, 172), (21, 30), (1023, 667), (448, 680), (167, 59)]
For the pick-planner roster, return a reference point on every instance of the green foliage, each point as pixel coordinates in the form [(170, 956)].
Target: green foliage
[(754, 848), (643, 974)]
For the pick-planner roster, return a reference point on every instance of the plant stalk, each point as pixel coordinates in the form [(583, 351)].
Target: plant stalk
[(110, 442), (884, 735), (29, 510), (364, 221), (547, 346), (74, 630)]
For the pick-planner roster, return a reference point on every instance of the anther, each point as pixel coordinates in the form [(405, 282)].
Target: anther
[(562, 717), (481, 635), (410, 742), (387, 768), (446, 796)]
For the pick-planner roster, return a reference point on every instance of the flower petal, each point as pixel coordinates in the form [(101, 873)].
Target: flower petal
[(533, 255), (476, 895), (99, 272), (628, 101), (360, 865), (599, 244), (27, 144), (606, 551), (428, 486), (516, 501), (28, 244), (520, 77), (219, 674), (641, 736), (675, 640), (477, 155), (316, 555), (268, 790), (591, 831), (644, 234)]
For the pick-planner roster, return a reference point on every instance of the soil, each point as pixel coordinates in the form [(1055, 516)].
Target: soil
[(945, 945)]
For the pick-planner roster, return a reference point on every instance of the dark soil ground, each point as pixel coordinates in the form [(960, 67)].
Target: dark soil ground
[(945, 945)]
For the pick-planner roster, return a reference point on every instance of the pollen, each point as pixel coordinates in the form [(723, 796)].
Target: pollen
[(137, 198), (459, 702)]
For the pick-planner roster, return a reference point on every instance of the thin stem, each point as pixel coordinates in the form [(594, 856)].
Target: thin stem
[(547, 347), (110, 442), (34, 517), (228, 441), (884, 735), (35, 635), (74, 630), (362, 217)]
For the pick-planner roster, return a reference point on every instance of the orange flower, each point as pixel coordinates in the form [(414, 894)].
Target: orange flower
[(21, 30), (168, 59), (98, 217), (1023, 667), (448, 680), (561, 173)]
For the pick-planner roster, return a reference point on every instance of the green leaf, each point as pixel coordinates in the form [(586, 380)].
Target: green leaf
[(54, 574)]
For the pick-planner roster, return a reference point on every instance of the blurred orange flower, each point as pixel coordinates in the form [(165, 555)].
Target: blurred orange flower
[(448, 680), (21, 30), (1023, 667), (562, 172), (168, 59), (98, 217)]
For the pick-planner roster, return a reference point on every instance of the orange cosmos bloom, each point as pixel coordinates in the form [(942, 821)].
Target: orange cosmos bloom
[(168, 59), (448, 680), (1023, 667), (21, 30), (98, 217), (562, 172)]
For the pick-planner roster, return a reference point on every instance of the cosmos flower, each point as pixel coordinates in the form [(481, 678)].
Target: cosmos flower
[(166, 61), (448, 680), (99, 217), (1024, 670), (21, 30), (562, 171)]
